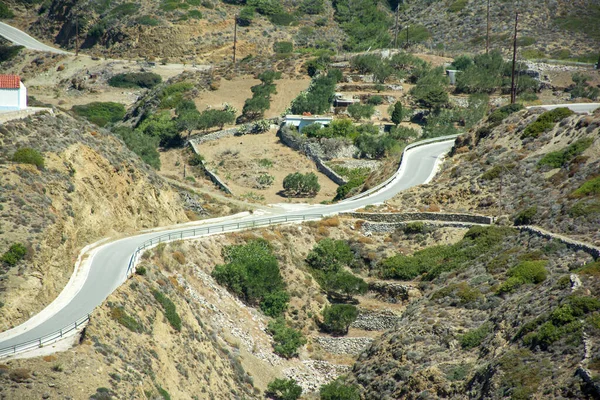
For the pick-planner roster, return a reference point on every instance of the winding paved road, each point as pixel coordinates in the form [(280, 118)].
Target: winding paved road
[(108, 268), (21, 38)]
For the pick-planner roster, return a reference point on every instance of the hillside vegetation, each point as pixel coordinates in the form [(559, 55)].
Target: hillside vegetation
[(193, 30)]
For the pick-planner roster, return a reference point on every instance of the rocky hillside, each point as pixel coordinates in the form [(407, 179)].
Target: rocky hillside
[(547, 180), (550, 28), (503, 315), (87, 185), (197, 31)]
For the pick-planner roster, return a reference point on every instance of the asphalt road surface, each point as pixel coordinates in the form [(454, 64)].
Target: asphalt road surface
[(21, 38), (109, 267)]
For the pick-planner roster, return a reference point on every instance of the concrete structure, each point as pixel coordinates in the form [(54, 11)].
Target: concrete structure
[(13, 94), (451, 73), (341, 101), (300, 121)]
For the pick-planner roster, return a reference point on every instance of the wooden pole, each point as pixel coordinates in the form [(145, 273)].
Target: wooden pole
[(487, 38), (76, 36), (396, 30), (234, 36), (513, 88)]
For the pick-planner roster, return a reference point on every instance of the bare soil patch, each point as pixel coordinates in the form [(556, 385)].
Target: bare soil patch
[(236, 160)]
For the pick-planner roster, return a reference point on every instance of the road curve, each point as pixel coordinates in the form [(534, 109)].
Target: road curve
[(108, 268), (21, 38)]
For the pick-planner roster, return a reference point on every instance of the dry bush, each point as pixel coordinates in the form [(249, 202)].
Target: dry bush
[(49, 358), (179, 257), (20, 375), (434, 208), (462, 150), (359, 224), (323, 231), (365, 240), (160, 282), (191, 215), (330, 222)]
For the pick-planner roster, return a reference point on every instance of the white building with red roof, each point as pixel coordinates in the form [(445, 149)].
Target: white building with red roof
[(13, 94)]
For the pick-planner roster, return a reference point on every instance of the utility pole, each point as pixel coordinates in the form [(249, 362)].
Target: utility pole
[(76, 36), (513, 88), (396, 30), (487, 38), (234, 37)]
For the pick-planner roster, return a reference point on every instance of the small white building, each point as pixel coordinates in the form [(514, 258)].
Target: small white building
[(13, 94), (300, 121)]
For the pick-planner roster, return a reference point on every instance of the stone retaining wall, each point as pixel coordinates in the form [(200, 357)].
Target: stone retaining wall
[(382, 227), (302, 144), (392, 292), (421, 216), (213, 136), (344, 345), (570, 243), (214, 178), (376, 321)]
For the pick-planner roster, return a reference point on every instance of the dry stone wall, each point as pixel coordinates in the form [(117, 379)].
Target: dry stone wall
[(421, 216)]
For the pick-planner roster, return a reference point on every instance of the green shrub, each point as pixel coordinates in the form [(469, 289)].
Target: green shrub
[(170, 96), (245, 16), (5, 12), (312, 7), (589, 188), (433, 261), (344, 190), (501, 113), (414, 227), (496, 171), (364, 22), (529, 271), (118, 314), (330, 255), (169, 309), (163, 393), (397, 112), (195, 14), (375, 100), (101, 113), (275, 303), (582, 89), (124, 9), (557, 159), (317, 99), (26, 155), (583, 209), (301, 185), (359, 111), (457, 6), (252, 273), (147, 20), (475, 337), (9, 52), (283, 47), (141, 270), (337, 318), (266, 7), (525, 41), (283, 389), (342, 284), (15, 253), (143, 145), (339, 390), (287, 340), (526, 216), (545, 122)]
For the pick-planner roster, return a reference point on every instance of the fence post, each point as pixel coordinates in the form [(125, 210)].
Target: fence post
[(61, 333)]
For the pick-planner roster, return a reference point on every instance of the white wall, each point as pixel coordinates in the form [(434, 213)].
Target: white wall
[(13, 99)]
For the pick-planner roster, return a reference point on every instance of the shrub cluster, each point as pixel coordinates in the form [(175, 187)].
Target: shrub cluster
[(327, 261), (339, 390), (118, 314), (557, 159), (365, 23), (433, 261), (284, 389), (26, 155), (523, 273), (337, 318), (582, 89), (9, 52), (15, 253), (317, 99), (498, 115), (5, 12), (301, 185), (545, 122), (135, 80), (169, 309), (475, 337), (255, 107), (287, 340), (564, 320), (252, 273), (590, 187), (526, 216), (101, 113)]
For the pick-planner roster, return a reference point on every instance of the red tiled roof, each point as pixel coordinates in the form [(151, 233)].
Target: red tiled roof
[(9, 81)]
